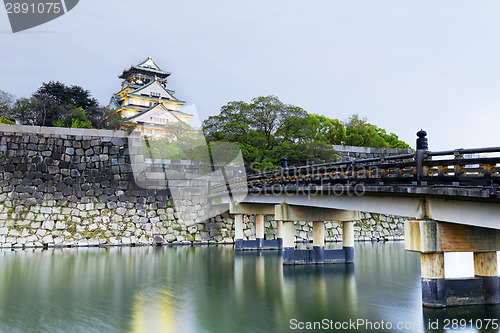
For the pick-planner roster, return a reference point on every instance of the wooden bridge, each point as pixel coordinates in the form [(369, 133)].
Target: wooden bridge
[(452, 198)]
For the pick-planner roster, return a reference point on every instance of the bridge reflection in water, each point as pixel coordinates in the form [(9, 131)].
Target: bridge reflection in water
[(208, 289), (451, 199)]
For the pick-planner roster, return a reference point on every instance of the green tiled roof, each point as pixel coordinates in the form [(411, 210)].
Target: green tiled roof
[(149, 109), (152, 70), (168, 91)]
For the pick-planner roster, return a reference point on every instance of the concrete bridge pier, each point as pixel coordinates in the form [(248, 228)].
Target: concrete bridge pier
[(318, 255), (288, 214), (348, 240), (238, 231), (259, 243), (259, 230), (434, 238), (279, 233), (288, 242), (485, 268)]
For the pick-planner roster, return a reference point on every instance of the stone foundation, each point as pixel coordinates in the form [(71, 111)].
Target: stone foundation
[(75, 187), (371, 227)]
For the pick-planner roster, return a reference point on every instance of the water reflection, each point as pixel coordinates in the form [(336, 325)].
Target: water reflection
[(476, 318), (208, 289)]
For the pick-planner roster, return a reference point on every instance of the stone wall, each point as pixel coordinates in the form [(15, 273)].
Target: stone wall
[(69, 187), (371, 227), (75, 187), (356, 153)]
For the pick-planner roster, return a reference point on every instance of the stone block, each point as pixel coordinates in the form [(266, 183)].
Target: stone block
[(49, 225), (47, 239)]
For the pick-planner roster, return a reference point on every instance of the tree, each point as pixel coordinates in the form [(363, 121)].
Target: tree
[(6, 101), (6, 121), (267, 130), (46, 109), (103, 117), (68, 95), (23, 112), (56, 104), (180, 142), (359, 132), (328, 130), (75, 118)]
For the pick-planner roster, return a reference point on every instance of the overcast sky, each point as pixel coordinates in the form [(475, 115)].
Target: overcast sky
[(405, 65)]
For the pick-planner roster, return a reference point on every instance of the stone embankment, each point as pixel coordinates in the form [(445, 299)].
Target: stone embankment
[(356, 153), (75, 187), (371, 227)]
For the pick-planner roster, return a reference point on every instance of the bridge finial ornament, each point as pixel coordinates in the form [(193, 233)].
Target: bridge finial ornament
[(422, 143), (284, 163)]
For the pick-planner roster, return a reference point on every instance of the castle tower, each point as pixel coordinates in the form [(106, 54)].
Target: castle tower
[(145, 99)]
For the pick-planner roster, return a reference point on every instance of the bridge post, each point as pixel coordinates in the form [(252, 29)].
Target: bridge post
[(259, 230), (485, 267), (422, 147), (288, 214), (238, 232), (348, 240), (434, 238), (433, 279), (279, 232), (288, 242), (259, 210), (318, 242)]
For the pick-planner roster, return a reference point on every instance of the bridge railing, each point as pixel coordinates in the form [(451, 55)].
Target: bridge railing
[(453, 168), (461, 168)]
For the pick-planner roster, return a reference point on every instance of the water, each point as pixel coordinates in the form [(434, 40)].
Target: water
[(213, 289)]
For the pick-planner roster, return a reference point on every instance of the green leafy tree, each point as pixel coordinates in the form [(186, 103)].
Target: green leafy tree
[(6, 121), (6, 102), (55, 100), (361, 133), (179, 142), (23, 112), (103, 117), (45, 109), (56, 104), (267, 130), (65, 95), (75, 118), (328, 130)]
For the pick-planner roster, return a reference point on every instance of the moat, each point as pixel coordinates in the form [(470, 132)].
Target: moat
[(213, 289)]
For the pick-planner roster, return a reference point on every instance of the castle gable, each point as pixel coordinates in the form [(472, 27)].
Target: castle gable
[(157, 115), (156, 90)]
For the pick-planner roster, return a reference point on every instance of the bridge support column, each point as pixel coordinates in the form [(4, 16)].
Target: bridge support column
[(279, 233), (259, 230), (238, 232), (485, 267), (318, 255), (433, 279), (348, 240), (288, 242), (434, 238), (259, 243)]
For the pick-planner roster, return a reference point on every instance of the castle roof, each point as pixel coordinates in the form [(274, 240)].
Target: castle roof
[(146, 67)]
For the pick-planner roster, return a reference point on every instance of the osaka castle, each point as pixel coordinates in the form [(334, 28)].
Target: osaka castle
[(145, 99)]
